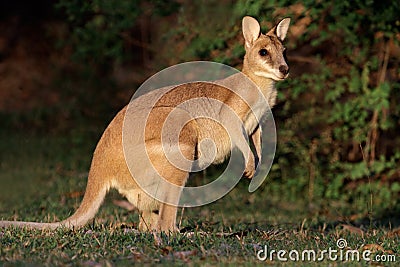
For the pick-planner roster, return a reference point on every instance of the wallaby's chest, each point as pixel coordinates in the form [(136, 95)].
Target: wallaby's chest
[(255, 116)]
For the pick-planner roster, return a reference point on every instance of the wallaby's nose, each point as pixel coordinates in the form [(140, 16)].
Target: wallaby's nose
[(284, 69)]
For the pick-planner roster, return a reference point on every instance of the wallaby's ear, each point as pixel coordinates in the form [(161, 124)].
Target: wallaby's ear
[(281, 28), (251, 30)]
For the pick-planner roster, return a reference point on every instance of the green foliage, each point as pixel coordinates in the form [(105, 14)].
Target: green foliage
[(102, 29), (98, 26), (346, 107)]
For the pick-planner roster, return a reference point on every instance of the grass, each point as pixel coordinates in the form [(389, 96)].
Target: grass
[(43, 178)]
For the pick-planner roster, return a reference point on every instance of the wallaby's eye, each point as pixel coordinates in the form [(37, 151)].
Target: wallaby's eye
[(263, 52)]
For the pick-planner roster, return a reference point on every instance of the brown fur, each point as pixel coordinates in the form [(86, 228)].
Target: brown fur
[(109, 168)]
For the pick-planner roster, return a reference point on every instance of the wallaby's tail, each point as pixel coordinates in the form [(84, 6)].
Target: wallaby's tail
[(91, 202)]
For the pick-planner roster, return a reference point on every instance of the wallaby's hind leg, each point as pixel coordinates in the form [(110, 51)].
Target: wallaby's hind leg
[(168, 209), (171, 159), (167, 218), (159, 220), (163, 216), (169, 196)]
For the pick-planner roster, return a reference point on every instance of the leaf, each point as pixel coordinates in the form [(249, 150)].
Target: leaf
[(353, 229), (166, 250), (124, 204), (394, 232), (75, 194), (184, 254), (373, 248)]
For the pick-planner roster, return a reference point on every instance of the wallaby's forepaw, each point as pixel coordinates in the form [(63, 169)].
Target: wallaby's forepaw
[(250, 169)]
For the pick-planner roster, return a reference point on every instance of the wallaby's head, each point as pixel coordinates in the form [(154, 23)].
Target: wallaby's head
[(265, 53)]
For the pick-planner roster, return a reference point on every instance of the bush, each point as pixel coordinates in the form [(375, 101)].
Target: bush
[(339, 123)]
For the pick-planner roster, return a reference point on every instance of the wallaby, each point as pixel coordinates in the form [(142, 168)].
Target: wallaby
[(264, 64)]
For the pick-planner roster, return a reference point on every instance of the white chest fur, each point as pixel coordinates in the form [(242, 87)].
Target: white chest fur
[(260, 109)]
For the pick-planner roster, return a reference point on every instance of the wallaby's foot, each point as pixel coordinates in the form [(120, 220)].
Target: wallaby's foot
[(167, 219), (168, 229), (148, 221), (250, 169), (163, 220)]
